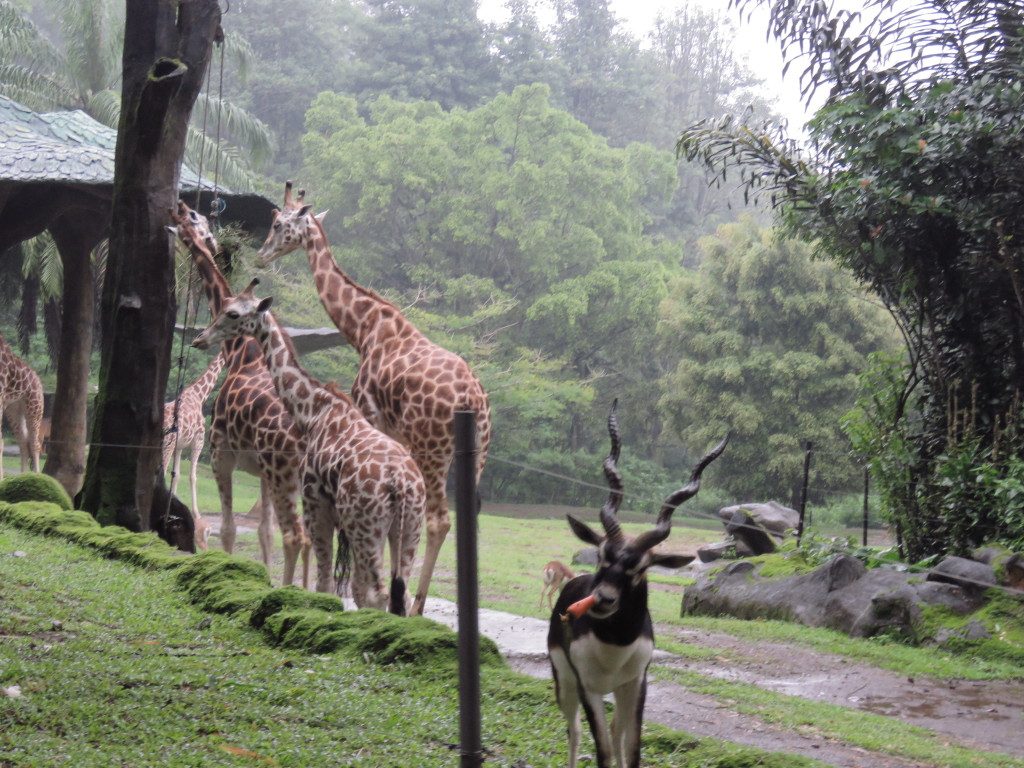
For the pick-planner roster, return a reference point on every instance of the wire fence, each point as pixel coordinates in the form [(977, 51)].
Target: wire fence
[(636, 499)]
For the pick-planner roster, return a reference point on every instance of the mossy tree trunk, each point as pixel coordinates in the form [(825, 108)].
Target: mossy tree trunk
[(76, 232), (166, 52)]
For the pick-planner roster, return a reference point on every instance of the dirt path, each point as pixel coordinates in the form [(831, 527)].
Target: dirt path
[(987, 714)]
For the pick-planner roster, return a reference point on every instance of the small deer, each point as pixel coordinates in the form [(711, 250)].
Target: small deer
[(601, 638), (554, 574)]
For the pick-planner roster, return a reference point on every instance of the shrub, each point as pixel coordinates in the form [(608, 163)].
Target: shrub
[(33, 486)]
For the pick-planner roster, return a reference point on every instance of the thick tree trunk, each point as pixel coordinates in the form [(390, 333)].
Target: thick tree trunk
[(166, 52), (76, 233)]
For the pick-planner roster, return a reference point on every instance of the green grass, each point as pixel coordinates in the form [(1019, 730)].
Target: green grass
[(863, 729), (134, 675)]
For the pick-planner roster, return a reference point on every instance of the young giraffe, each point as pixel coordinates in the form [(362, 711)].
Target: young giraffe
[(191, 434), (21, 402), (406, 385), (251, 429), (357, 480)]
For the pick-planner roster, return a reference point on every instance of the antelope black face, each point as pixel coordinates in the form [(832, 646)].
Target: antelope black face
[(623, 561), (621, 567)]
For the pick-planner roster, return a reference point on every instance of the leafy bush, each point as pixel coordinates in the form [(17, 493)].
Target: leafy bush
[(33, 486)]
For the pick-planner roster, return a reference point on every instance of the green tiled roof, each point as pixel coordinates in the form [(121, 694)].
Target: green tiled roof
[(67, 147)]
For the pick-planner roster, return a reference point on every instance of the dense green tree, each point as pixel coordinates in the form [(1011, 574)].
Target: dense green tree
[(769, 344), (434, 50), (515, 191), (915, 185)]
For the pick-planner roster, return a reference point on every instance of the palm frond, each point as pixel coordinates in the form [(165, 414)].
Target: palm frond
[(86, 31), (105, 106), (248, 133), (894, 48), (240, 53), (42, 261), (17, 32), (220, 160), (33, 88)]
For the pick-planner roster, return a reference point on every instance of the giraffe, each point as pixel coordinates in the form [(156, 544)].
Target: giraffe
[(357, 480), (191, 433), (21, 403), (251, 429), (406, 385)]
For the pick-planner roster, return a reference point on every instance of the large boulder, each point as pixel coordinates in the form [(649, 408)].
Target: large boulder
[(841, 594), (743, 528), (728, 549), (772, 516), (971, 575)]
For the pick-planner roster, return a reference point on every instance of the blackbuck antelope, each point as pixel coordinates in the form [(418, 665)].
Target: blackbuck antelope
[(601, 638), (554, 574)]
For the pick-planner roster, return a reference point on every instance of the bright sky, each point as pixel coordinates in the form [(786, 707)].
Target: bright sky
[(762, 57)]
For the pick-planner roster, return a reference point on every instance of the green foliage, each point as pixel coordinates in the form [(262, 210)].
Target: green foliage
[(30, 486), (769, 345), (912, 185)]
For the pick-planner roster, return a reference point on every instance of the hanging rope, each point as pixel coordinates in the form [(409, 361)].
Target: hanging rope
[(182, 349)]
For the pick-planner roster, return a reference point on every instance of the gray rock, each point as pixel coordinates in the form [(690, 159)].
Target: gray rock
[(841, 594), (970, 575), (972, 631), (772, 516), (585, 556), (743, 527)]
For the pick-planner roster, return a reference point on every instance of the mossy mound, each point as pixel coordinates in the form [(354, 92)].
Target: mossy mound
[(385, 637), (34, 486), (1002, 618), (142, 549), (223, 583), (292, 598)]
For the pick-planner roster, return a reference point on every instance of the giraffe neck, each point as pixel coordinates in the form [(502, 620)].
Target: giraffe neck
[(361, 315), (202, 386), (296, 388), (233, 352)]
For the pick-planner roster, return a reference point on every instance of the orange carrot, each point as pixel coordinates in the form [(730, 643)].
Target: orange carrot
[(580, 607)]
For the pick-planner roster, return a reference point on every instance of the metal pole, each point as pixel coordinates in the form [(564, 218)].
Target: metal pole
[(464, 426), (803, 490), (866, 476)]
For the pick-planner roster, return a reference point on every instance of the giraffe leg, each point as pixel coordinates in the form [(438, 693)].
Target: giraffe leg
[(368, 587), (16, 421), (319, 519), (33, 418), (202, 529), (284, 497), (223, 466), (438, 524), (1, 439), (176, 468), (265, 530)]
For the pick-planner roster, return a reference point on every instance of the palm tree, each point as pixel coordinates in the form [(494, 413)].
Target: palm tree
[(71, 60)]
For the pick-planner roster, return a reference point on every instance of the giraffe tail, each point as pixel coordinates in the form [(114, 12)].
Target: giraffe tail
[(397, 596), (342, 563)]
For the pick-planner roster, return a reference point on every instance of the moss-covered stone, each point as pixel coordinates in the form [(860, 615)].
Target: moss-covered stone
[(1002, 617), (223, 583), (34, 486), (384, 637), (292, 598), (143, 549)]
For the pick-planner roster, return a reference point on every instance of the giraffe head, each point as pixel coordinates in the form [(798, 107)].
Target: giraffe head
[(242, 315), (289, 229), (192, 227)]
